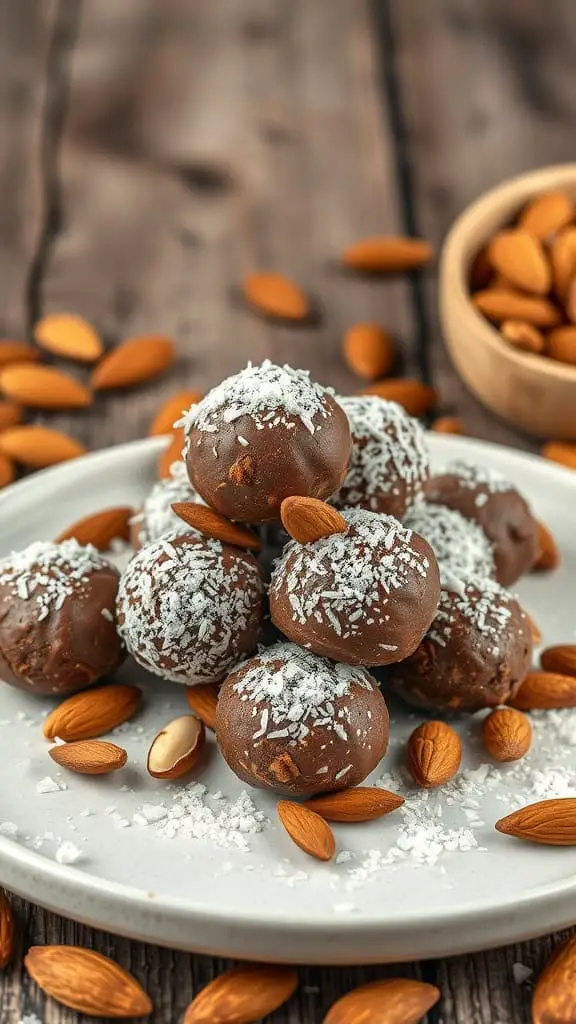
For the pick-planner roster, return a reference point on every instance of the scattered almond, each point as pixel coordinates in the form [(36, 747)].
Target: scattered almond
[(562, 452), (17, 352), (561, 344), (387, 254), (535, 631), (434, 754), (554, 999), (171, 410), (7, 931), (172, 453), (560, 659), (417, 398), (548, 554), (69, 336), (506, 734), (307, 829), (92, 712), (520, 257), (7, 470), (543, 690), (212, 524), (391, 1001), (37, 447), (11, 415), (42, 387), (448, 425), (243, 995), (89, 757), (101, 528), (135, 361), (550, 822), (500, 304), (547, 213), (86, 981), (203, 699), (177, 748), (523, 335), (563, 259), (364, 803), (368, 350), (275, 296), (309, 519)]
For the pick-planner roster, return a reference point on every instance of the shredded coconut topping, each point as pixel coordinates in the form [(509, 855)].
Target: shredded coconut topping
[(460, 545), (472, 476), (156, 517), (191, 816), (484, 603), (48, 573)]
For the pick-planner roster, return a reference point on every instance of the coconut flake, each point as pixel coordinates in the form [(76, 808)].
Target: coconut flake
[(460, 545)]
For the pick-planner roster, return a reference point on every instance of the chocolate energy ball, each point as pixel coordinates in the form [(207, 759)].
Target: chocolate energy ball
[(298, 724), (190, 608), (57, 618), (460, 545), (485, 496), (390, 463), (156, 518), (263, 435), (365, 597), (475, 655)]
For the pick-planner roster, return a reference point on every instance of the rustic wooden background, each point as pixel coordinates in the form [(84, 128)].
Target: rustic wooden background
[(152, 152)]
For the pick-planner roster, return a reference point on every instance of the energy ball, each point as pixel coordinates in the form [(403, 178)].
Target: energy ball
[(365, 597), (190, 607), (475, 655), (460, 545), (298, 724), (390, 464), (262, 435), (156, 518), (488, 498), (57, 618)]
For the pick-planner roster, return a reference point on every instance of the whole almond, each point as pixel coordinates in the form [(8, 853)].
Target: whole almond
[(7, 931), (17, 352), (307, 829), (203, 700), (560, 659), (500, 304), (135, 361), (368, 350), (389, 254), (523, 335), (42, 387), (364, 803), (561, 344), (93, 712), (243, 995), (391, 1001), (554, 999), (7, 470), (275, 296), (562, 452), (521, 258), (172, 453), (212, 524), (89, 757), (171, 410), (506, 734), (548, 554), (101, 528), (309, 519), (549, 822), (545, 690), (37, 447), (448, 425), (547, 213), (87, 982), (69, 336), (563, 260), (11, 415), (177, 748), (481, 271), (434, 754), (417, 398)]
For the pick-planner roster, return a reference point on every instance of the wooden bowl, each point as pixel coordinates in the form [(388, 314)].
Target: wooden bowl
[(532, 392)]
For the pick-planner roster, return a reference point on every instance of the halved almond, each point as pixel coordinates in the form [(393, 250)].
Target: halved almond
[(309, 519), (171, 410), (203, 699), (212, 524), (69, 336), (93, 712), (89, 757), (100, 528), (37, 447), (177, 748), (307, 829), (133, 362), (42, 387), (364, 803)]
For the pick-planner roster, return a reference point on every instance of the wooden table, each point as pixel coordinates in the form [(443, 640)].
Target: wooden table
[(151, 153)]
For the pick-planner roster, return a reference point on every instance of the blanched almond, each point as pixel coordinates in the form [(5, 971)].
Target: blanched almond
[(177, 748)]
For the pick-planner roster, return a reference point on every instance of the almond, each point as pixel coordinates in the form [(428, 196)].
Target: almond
[(570, 301), (520, 257), (544, 690), (550, 822), (506, 734), (560, 659), (307, 829), (481, 271), (42, 387), (562, 452), (561, 344), (172, 410), (548, 554), (389, 254), (11, 415), (417, 398), (554, 999), (212, 524), (92, 712), (563, 259), (7, 931), (547, 213), (309, 519), (7, 471), (391, 1001), (101, 528), (17, 352), (535, 631), (177, 748), (133, 362), (448, 425), (37, 447), (434, 754), (203, 699), (500, 304), (364, 803), (368, 350), (86, 981), (243, 995), (89, 757), (69, 336), (172, 453), (523, 335), (275, 296)]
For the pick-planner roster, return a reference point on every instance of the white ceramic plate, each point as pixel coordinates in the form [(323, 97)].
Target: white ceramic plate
[(273, 902)]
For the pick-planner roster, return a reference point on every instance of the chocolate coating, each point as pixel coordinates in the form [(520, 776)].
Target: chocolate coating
[(490, 500), (156, 518), (57, 622), (298, 724), (475, 655), (365, 597), (263, 435)]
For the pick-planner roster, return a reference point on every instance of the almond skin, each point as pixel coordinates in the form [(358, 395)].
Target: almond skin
[(172, 453), (92, 713), (177, 748), (560, 659), (101, 528), (203, 700), (549, 822), (506, 734), (523, 335), (520, 257), (89, 757), (561, 344), (275, 296), (562, 452), (417, 398), (368, 350), (500, 304), (11, 415), (171, 410), (135, 361), (37, 447), (548, 554), (307, 829), (17, 352), (434, 754), (42, 387), (545, 690), (547, 213), (391, 1001), (448, 425), (388, 254), (364, 803), (243, 995), (69, 336), (554, 999), (309, 519), (87, 982), (212, 524), (563, 259), (7, 931), (7, 471)]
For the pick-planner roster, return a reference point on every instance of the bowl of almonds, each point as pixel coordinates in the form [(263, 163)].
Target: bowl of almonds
[(508, 300)]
